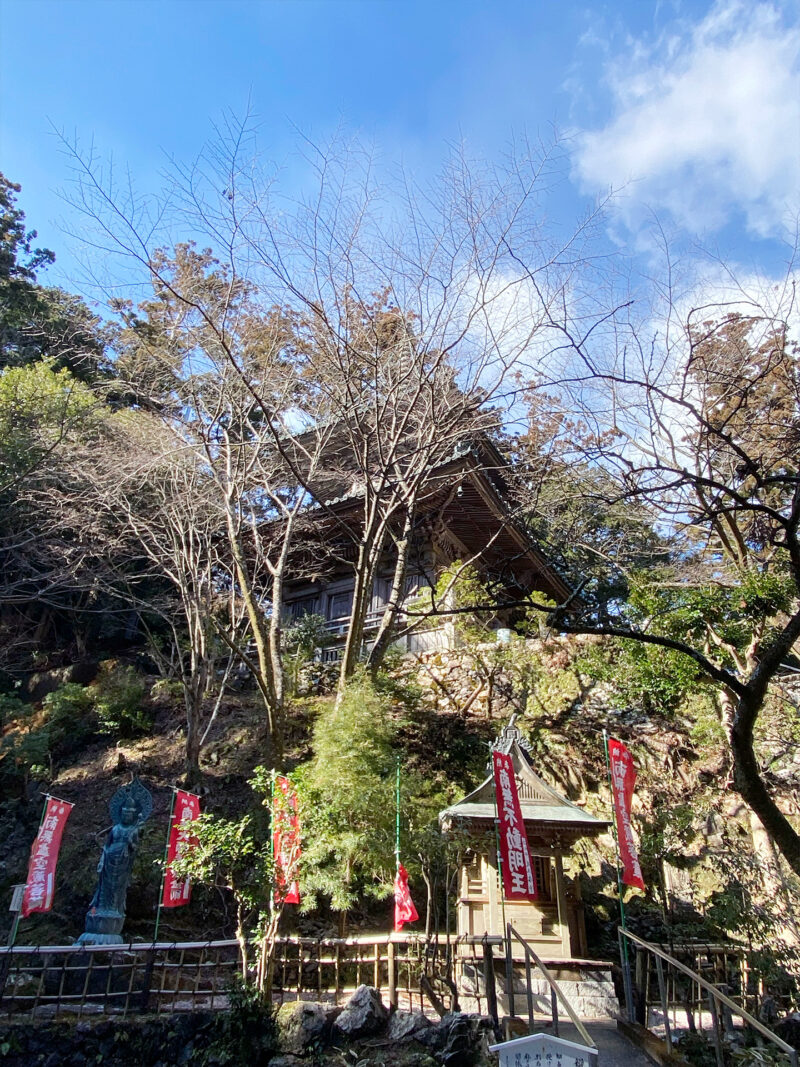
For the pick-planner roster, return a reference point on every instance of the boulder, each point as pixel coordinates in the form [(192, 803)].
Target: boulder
[(364, 1014), (300, 1026), (457, 1051), (407, 1025), (433, 1038), (789, 1029), (467, 1040)]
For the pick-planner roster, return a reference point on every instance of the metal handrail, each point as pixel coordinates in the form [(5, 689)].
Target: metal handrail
[(555, 989), (715, 995)]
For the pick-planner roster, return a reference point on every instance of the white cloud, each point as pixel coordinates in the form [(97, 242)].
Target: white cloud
[(706, 122)]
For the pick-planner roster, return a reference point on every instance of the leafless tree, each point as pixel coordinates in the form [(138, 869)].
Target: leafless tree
[(367, 331), (695, 414)]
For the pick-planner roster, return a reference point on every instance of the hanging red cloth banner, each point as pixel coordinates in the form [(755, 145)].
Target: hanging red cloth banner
[(404, 910), (519, 877), (38, 894), (285, 841), (181, 839), (623, 779)]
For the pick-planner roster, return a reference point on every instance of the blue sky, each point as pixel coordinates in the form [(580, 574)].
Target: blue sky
[(691, 108)]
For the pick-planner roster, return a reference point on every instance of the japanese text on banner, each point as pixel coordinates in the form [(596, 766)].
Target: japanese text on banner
[(623, 779), (40, 886), (181, 839), (519, 877), (285, 841)]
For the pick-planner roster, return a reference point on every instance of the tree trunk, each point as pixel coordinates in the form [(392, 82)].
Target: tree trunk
[(749, 783), (385, 632), (264, 678), (193, 774), (369, 554)]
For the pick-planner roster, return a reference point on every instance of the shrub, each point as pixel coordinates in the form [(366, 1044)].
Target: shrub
[(118, 696), (68, 718), (11, 707), (70, 703), (347, 793)]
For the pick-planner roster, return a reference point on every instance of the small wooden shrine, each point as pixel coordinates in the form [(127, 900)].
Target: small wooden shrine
[(553, 924)]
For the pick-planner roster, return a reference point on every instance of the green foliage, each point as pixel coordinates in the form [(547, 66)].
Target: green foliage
[(166, 689), (234, 855), (347, 798), (301, 640), (697, 1050), (118, 696), (25, 753), (37, 322), (642, 676), (665, 834), (40, 408), (460, 586), (39, 741), (69, 704), (248, 1029), (707, 731), (731, 609), (11, 707), (737, 905), (229, 854), (766, 1056)]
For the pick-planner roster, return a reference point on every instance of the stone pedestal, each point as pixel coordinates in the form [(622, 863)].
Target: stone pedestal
[(103, 927)]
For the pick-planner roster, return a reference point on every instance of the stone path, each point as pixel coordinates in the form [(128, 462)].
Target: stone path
[(614, 1049)]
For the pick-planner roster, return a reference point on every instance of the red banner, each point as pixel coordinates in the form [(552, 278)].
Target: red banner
[(38, 895), (519, 877), (404, 910), (181, 839), (623, 779), (285, 841)]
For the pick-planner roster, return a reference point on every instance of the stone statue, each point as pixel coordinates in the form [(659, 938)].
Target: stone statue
[(130, 808)]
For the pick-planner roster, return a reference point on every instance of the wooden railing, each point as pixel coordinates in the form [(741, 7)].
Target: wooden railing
[(556, 993), (166, 977), (681, 989), (120, 980)]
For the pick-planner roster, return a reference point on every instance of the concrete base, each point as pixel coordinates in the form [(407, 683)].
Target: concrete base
[(587, 985)]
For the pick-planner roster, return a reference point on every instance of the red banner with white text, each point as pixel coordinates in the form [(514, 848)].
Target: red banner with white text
[(404, 910), (623, 779), (40, 886), (181, 839), (285, 841), (519, 876)]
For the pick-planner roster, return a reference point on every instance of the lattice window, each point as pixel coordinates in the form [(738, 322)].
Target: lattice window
[(542, 868)]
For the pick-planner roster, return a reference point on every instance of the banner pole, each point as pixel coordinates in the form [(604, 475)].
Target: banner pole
[(499, 852), (614, 830), (626, 964), (397, 814), (164, 867), (273, 877), (15, 927)]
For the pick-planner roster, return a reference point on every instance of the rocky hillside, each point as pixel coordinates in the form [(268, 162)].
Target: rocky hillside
[(707, 864)]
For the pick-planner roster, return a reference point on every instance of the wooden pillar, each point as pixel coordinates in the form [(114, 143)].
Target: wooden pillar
[(392, 975), (563, 920), (495, 917)]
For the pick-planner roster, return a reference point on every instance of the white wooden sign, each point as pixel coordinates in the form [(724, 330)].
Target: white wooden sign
[(542, 1050)]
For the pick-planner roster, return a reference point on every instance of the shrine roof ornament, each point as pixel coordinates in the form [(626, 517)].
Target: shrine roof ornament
[(511, 735), (544, 810)]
